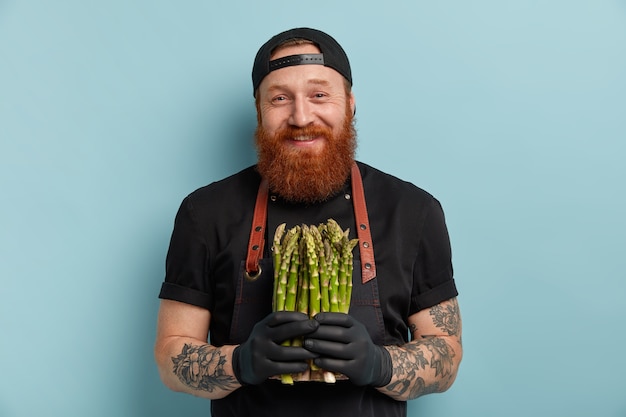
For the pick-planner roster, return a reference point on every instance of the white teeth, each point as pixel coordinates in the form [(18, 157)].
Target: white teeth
[(302, 138)]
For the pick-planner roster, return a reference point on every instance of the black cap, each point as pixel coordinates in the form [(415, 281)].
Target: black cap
[(332, 55)]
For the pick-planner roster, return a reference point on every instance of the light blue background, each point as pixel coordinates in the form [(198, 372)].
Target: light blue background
[(511, 112)]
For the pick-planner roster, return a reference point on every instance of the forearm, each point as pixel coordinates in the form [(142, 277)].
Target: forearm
[(424, 366), (195, 367), (429, 363)]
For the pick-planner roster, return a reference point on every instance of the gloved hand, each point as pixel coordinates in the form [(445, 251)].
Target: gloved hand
[(345, 346), (262, 356)]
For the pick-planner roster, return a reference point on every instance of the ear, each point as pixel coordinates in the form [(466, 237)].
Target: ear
[(352, 103), (257, 105)]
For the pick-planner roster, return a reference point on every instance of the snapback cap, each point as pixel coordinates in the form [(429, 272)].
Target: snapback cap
[(332, 55)]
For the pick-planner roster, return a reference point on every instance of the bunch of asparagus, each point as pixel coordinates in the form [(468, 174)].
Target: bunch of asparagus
[(312, 274)]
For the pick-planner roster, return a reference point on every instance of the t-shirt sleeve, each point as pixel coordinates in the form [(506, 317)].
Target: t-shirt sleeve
[(433, 280), (187, 261)]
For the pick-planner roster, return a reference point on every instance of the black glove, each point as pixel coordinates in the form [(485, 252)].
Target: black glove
[(262, 356), (345, 346)]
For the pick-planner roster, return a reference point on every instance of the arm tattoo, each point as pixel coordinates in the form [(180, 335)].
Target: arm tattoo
[(414, 363), (409, 359), (420, 388), (446, 317), (442, 354), (202, 368), (406, 363)]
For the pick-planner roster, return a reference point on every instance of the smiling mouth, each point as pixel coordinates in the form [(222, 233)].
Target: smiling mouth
[(303, 138)]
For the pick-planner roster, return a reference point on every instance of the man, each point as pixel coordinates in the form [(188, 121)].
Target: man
[(219, 273)]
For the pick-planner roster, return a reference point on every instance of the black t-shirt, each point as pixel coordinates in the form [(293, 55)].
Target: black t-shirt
[(208, 249)]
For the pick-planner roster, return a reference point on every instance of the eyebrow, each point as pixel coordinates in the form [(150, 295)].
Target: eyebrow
[(316, 81), (313, 81)]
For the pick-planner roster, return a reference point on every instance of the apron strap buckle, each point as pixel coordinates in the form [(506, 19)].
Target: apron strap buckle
[(257, 233)]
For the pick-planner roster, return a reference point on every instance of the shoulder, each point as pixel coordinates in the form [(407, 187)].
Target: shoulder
[(376, 181), (222, 199), (391, 199), (240, 186)]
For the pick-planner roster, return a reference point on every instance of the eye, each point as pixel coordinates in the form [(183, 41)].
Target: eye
[(279, 99)]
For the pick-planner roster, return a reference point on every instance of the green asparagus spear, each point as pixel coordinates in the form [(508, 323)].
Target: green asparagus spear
[(292, 282), (277, 254), (290, 243), (346, 265), (303, 283), (314, 276), (312, 273)]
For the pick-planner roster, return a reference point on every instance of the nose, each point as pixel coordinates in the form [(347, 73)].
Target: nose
[(301, 113)]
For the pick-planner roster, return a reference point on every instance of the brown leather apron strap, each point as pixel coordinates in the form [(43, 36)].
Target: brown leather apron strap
[(259, 220), (257, 233), (366, 247)]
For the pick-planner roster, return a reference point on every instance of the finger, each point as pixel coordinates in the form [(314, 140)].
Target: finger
[(279, 368), (281, 317), (293, 329), (333, 333), (335, 319), (290, 354), (333, 365), (329, 349)]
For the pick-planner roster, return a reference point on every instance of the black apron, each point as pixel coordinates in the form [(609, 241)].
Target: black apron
[(254, 286)]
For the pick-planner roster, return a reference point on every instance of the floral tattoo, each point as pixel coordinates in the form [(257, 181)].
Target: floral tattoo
[(446, 317), (202, 368)]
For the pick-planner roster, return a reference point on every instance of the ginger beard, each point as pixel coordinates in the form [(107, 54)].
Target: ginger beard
[(301, 176)]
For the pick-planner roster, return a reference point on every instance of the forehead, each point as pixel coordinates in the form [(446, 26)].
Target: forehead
[(300, 75)]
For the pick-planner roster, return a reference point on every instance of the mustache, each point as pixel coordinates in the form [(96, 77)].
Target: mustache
[(290, 132)]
